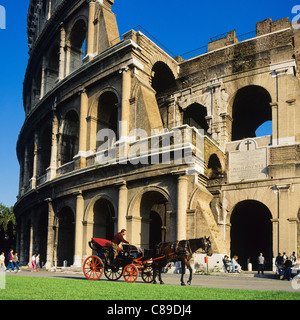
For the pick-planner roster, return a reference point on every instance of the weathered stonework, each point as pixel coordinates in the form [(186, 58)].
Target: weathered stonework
[(82, 77)]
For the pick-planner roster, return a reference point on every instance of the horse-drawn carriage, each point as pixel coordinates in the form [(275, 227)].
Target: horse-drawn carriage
[(131, 261)]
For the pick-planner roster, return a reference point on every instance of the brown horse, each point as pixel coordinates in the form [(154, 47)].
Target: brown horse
[(179, 251)]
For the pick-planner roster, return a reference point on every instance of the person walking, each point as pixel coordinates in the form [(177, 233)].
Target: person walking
[(33, 265), (16, 261), (37, 262), (2, 260), (10, 261), (261, 263)]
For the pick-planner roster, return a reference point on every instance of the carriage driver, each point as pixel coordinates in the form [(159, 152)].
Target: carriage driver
[(117, 239)]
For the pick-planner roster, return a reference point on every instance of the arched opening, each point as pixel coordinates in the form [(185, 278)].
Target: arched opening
[(70, 137), (42, 233), (214, 167), (103, 223), (194, 116), (44, 151), (65, 236), (29, 164), (156, 233), (264, 130), (77, 45), (27, 234), (36, 87), (108, 116), (251, 233), (162, 77), (251, 108), (154, 209), (52, 68)]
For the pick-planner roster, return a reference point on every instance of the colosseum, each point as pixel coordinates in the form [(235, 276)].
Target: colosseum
[(121, 134)]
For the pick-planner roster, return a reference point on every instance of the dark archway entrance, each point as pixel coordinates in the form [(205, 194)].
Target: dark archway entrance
[(42, 234), (104, 213), (154, 209), (108, 117), (155, 233), (65, 237), (251, 233)]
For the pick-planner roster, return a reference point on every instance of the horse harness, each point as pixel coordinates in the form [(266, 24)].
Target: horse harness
[(182, 248)]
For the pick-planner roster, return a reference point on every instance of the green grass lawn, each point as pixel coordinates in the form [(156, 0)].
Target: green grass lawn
[(35, 288)]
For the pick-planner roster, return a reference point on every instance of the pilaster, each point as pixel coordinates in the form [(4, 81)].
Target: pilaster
[(78, 229), (90, 54), (50, 235), (182, 187), (122, 205), (81, 156), (61, 70)]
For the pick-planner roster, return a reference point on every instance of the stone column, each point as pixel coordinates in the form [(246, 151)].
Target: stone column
[(43, 79), (22, 245), (50, 235), (125, 111), (182, 186), (62, 59), (35, 159), (275, 233), (92, 134), (49, 10), (51, 172), (122, 205), (82, 130), (26, 169), (30, 242), (78, 230), (283, 215), (292, 229), (91, 32), (67, 55)]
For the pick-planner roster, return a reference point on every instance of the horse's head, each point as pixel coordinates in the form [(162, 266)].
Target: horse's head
[(207, 246)]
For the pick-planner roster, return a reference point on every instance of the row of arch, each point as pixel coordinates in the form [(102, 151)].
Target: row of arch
[(59, 62), (105, 115), (251, 109), (99, 220), (250, 227)]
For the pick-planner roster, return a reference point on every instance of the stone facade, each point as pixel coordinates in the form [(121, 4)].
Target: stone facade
[(84, 79)]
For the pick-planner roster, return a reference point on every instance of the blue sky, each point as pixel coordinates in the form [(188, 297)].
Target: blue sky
[(181, 26)]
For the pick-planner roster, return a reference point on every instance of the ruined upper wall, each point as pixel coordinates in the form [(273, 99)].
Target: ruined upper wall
[(227, 56)]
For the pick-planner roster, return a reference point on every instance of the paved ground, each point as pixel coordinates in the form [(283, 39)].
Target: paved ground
[(245, 280)]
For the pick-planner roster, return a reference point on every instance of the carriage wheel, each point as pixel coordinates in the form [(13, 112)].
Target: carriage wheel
[(113, 273), (147, 274), (130, 273), (93, 268)]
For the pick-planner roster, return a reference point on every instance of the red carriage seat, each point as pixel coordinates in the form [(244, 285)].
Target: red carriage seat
[(103, 242)]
